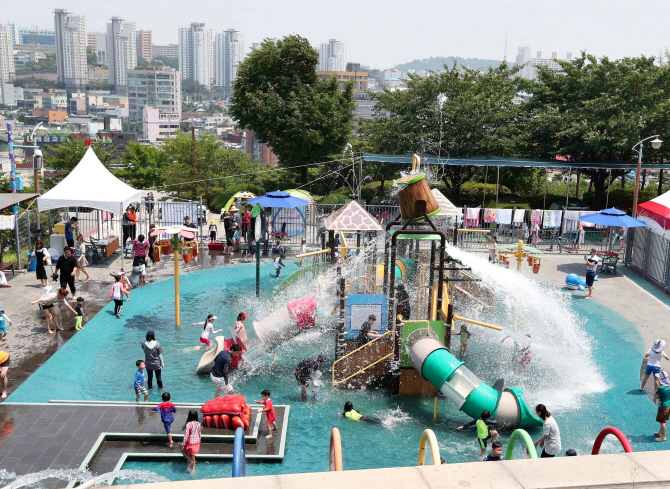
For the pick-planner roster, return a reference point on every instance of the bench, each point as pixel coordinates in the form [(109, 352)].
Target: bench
[(6, 266)]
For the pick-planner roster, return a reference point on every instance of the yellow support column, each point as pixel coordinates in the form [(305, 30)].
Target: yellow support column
[(176, 285), (519, 255)]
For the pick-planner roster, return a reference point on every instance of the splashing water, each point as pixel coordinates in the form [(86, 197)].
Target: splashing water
[(563, 371), (85, 478), (393, 417)]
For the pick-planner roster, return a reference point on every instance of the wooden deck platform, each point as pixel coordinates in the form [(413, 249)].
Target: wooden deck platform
[(98, 436)]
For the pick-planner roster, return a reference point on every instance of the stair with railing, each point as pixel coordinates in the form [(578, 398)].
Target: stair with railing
[(365, 364)]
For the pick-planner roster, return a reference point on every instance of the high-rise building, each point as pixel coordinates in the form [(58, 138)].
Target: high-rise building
[(196, 53), (92, 39), (530, 69), (166, 51), (71, 48), (121, 52), (7, 69), (36, 35), (333, 56), (159, 89), (144, 47), (228, 53)]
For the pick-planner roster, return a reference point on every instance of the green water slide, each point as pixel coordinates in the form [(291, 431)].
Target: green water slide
[(462, 387)]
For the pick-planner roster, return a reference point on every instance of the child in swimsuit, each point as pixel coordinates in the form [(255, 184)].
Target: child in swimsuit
[(240, 330), (353, 415), (269, 410)]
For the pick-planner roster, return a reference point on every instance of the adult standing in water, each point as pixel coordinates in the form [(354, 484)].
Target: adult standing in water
[(551, 439), (219, 374), (402, 297), (153, 359), (663, 393), (591, 266), (304, 370)]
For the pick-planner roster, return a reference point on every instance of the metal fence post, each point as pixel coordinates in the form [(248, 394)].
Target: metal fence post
[(18, 242), (666, 281), (30, 242), (647, 253)]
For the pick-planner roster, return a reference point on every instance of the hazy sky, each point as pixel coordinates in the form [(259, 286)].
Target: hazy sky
[(380, 34)]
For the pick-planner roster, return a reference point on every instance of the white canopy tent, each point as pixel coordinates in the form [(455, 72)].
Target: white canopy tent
[(90, 184)]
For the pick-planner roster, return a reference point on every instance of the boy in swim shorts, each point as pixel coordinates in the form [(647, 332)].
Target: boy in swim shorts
[(140, 381), (483, 433), (269, 410)]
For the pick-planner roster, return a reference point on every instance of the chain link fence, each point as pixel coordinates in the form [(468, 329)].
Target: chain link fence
[(649, 254)]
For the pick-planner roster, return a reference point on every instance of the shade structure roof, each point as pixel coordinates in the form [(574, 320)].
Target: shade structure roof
[(243, 194), (8, 200), (90, 184), (352, 217), (512, 162), (657, 209), (278, 200), (612, 217), (446, 207)]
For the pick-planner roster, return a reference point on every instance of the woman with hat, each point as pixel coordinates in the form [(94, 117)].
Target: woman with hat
[(153, 359)]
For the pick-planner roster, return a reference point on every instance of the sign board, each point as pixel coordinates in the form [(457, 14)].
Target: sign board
[(258, 231), (6, 166), (360, 307)]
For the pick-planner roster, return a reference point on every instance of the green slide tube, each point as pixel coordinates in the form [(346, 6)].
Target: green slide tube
[(527, 440)]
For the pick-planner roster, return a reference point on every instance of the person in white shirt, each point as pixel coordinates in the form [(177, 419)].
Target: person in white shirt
[(551, 439), (207, 330), (654, 356), (591, 266)]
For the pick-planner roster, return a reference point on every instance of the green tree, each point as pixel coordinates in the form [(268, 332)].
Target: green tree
[(47, 65), (452, 113), (64, 157), (278, 94), (91, 58), (596, 110), (145, 166), (211, 163)]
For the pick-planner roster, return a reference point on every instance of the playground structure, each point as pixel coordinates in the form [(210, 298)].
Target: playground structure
[(519, 251), (410, 355)]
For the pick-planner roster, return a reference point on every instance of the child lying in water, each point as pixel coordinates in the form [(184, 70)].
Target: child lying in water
[(352, 414)]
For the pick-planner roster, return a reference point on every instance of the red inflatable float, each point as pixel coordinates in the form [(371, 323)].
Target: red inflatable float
[(227, 412)]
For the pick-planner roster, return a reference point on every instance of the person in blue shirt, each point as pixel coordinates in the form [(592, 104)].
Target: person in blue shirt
[(140, 381), (70, 227), (4, 321), (166, 408), (496, 453)]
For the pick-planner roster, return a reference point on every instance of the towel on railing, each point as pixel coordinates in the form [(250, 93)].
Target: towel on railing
[(536, 216), (519, 215), (7, 222), (472, 216), (504, 216), (552, 219), (490, 215)]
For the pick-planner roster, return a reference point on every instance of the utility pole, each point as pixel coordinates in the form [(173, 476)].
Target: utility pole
[(193, 157)]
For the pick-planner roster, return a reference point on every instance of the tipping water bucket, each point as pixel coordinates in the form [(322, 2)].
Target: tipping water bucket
[(416, 188)]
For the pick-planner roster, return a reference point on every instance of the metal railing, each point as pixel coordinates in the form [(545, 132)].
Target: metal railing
[(358, 351)]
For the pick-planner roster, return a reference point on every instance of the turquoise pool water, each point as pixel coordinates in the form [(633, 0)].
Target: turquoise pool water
[(99, 363)]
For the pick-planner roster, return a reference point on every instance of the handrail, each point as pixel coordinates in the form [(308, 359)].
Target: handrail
[(364, 277), (315, 268), (335, 454), (475, 298), (416, 162), (429, 436), (239, 454), (478, 323), (360, 348), (610, 430), (312, 253), (527, 440), (484, 231)]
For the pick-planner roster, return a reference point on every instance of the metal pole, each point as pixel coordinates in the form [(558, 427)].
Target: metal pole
[(431, 277), (563, 220), (201, 219), (637, 179), (497, 184), (12, 185), (340, 345), (175, 244), (258, 268), (30, 243)]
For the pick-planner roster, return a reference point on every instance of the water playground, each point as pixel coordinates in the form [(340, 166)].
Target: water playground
[(453, 335)]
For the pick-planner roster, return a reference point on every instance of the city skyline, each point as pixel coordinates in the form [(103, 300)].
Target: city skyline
[(478, 29)]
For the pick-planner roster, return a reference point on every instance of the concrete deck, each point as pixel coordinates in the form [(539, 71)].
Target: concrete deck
[(646, 469), (94, 436)]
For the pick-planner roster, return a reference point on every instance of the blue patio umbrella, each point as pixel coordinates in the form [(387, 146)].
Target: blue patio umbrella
[(278, 199), (612, 217)]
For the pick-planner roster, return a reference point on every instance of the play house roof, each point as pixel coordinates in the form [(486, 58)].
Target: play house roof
[(352, 217), (446, 207)]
